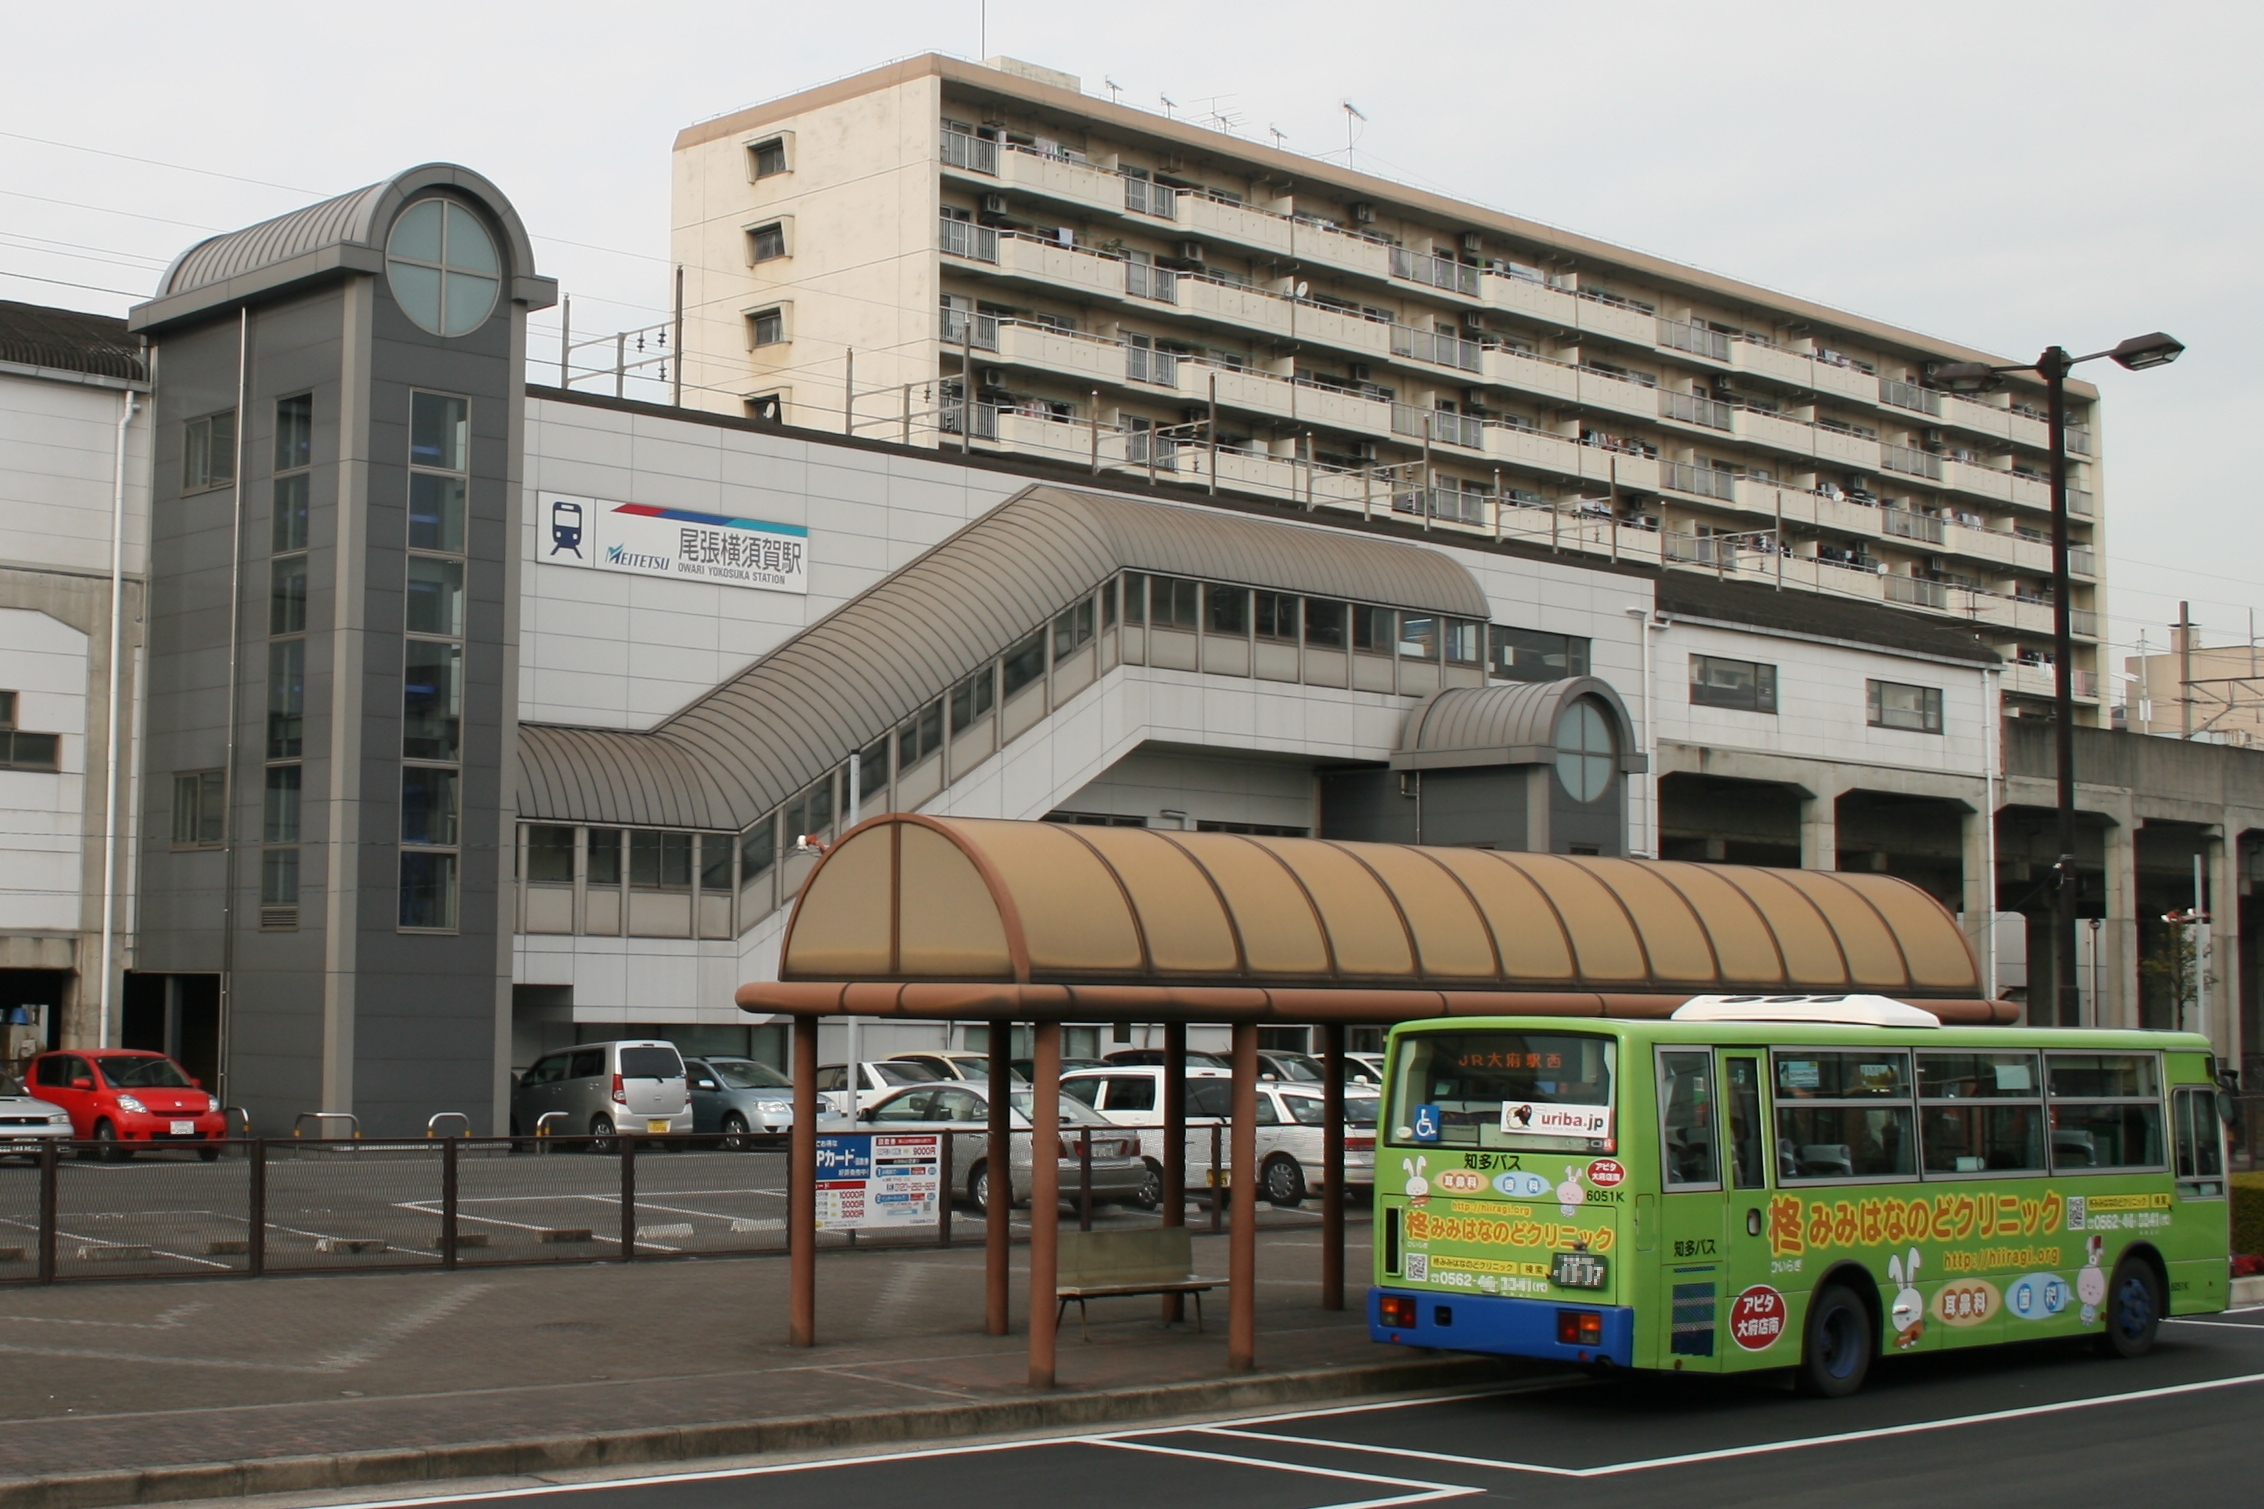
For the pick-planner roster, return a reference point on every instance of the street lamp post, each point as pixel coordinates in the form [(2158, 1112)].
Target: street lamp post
[(2136, 355)]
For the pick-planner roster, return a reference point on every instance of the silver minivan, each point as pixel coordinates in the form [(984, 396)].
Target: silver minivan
[(598, 1089)]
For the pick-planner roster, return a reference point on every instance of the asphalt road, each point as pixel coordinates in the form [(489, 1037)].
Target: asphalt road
[(2044, 1423)]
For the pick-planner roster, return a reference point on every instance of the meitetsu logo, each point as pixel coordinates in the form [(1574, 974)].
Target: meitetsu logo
[(637, 560)]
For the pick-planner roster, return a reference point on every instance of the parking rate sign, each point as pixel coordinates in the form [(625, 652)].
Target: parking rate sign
[(879, 1180)]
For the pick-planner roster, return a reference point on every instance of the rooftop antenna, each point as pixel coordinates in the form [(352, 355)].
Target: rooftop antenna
[(1114, 89), (982, 28), (1351, 114), (1281, 138), (1169, 105)]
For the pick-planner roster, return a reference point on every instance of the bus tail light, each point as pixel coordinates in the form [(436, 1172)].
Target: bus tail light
[(1579, 1328), (1397, 1312)]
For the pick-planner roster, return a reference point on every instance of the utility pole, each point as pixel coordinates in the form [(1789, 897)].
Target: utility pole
[(2185, 670)]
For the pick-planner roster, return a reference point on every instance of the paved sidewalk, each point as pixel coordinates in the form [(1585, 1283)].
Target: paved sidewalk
[(104, 1378)]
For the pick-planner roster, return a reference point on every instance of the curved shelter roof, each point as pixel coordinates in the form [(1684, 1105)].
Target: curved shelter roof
[(342, 234), (1505, 723), (861, 671), (963, 917)]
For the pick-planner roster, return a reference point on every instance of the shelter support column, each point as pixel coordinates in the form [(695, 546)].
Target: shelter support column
[(2115, 996), (1174, 1145), (1045, 1197), (998, 1159), (1242, 1235), (1332, 1167), (802, 1191)]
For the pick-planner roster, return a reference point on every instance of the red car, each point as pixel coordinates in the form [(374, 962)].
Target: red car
[(124, 1098)]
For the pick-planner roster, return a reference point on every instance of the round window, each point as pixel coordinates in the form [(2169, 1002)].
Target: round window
[(442, 267), (1584, 751)]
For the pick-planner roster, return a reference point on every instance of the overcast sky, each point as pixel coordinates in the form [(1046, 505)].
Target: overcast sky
[(2002, 173)]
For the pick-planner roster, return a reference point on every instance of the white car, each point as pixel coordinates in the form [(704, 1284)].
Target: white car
[(26, 1122), (1291, 1157), (876, 1079)]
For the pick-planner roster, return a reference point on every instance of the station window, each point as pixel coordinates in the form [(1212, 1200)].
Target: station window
[(1276, 614), (1463, 641), (1229, 610), (1372, 629), (1172, 604), (970, 702), (1534, 655), (1745, 685), (1916, 708), (604, 860), (661, 861), (1419, 637), (1023, 663), (1073, 630), (1324, 623), (550, 854), (198, 805), (208, 452)]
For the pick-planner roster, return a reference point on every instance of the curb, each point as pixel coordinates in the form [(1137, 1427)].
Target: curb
[(2246, 1291), (688, 1443)]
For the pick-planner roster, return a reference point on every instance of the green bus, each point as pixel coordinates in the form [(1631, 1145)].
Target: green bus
[(1791, 1183)]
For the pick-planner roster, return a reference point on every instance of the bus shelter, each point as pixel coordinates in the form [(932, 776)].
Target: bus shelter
[(1012, 923)]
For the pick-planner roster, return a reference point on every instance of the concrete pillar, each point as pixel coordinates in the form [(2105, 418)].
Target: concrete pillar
[(1819, 829), (2118, 942), (1977, 840), (2223, 963)]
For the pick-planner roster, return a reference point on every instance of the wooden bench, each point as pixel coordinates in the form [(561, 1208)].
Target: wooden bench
[(1110, 1264)]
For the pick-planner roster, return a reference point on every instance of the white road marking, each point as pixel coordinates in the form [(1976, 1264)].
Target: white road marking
[(400, 1328), (1762, 1448), (2222, 1325), (1426, 1491)]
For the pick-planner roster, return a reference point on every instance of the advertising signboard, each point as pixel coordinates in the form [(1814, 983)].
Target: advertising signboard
[(876, 1180)]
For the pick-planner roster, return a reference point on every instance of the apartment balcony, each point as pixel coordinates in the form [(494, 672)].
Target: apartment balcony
[(1687, 408), (964, 238), (2021, 429), (1909, 462), (1773, 362), (973, 332), (1698, 481), (1916, 592), (1061, 180), (1145, 280), (1560, 455), (2081, 562), (2033, 679), (1300, 403), (2036, 492), (1203, 215), (1618, 321), (1439, 350), (1538, 301), (1510, 368), (1977, 481), (1595, 389), (1442, 273), (1788, 436), (1237, 304), (1842, 379), (1326, 246), (1906, 524), (1905, 395), (1145, 364), (1843, 515), (1364, 338), (1697, 340), (1439, 427), (2078, 441), (2011, 552), (1857, 452), (1083, 359), (1977, 418), (1602, 469), (970, 153)]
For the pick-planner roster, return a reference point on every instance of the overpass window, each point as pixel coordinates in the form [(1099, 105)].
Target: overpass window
[(1171, 603), (1464, 642), (1073, 630), (1746, 685), (604, 856), (758, 849), (715, 862), (872, 769), (1372, 629), (1135, 597), (1916, 708), (1418, 637), (550, 854), (1533, 655), (660, 861), (923, 736), (1229, 610), (811, 812), (1276, 614), (1324, 623), (1025, 662), (970, 701)]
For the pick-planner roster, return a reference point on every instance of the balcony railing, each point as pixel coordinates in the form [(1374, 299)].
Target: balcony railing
[(1463, 504), (1704, 481), (1143, 196), (1909, 525), (1143, 447), (2080, 502), (1695, 339), (1444, 428), (1437, 271), (974, 153), (1908, 395), (1429, 346), (1917, 591), (1691, 409), (964, 238), (1145, 280), (1701, 549), (2079, 442), (952, 412), (2081, 562), (1911, 463), (963, 327), (1145, 364)]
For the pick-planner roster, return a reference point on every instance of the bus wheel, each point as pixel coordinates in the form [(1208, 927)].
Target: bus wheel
[(1840, 1342), (2134, 1310)]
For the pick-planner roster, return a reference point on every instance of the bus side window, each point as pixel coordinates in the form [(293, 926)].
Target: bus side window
[(2200, 1145), (1686, 1119), (1748, 1134)]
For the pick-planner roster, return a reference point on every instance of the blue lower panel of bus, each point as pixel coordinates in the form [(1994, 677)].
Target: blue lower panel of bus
[(1510, 1327)]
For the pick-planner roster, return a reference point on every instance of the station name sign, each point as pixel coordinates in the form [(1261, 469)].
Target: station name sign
[(645, 540)]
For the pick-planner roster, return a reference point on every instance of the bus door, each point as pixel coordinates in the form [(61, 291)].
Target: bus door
[(1756, 1314), (1694, 1223)]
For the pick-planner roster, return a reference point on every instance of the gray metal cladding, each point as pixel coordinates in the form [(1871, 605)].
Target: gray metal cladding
[(346, 219), (1505, 722), (863, 670)]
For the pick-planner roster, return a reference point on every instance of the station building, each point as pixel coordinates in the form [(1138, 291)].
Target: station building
[(482, 716)]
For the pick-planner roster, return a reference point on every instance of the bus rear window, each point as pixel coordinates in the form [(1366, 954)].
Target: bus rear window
[(1503, 1089)]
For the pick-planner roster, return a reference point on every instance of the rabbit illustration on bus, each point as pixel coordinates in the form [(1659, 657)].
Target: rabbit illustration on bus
[(566, 528)]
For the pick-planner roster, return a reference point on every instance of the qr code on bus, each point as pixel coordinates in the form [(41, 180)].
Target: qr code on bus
[(1418, 1267)]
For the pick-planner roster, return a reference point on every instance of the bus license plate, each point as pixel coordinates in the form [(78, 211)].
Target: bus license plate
[(657, 1126), (1578, 1270), (184, 1129)]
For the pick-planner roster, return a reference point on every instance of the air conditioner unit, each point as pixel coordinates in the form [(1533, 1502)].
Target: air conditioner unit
[(1191, 251), (1474, 397), (1931, 437), (994, 204), (1363, 213), (1469, 241), (1364, 449), (1360, 371), (993, 377)]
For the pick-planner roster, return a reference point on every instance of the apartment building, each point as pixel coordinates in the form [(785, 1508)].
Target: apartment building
[(986, 257), (2194, 691)]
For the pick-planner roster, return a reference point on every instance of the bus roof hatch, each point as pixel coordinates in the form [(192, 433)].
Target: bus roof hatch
[(1843, 1010)]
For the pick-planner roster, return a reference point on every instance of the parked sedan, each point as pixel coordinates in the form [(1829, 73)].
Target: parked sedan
[(123, 1099), (26, 1122), (1291, 1155), (948, 1065), (874, 1080), (739, 1099), (1120, 1174)]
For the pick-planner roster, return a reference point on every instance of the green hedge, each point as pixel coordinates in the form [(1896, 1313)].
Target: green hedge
[(2248, 1213)]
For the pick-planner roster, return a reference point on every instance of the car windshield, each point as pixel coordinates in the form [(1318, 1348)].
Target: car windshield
[(901, 1072), (651, 1063), (747, 1074), (1074, 1112), (1312, 1111), (150, 1073), (1298, 1067), (1360, 1110)]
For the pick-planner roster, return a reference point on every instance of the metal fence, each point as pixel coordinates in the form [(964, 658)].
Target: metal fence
[(307, 1205)]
